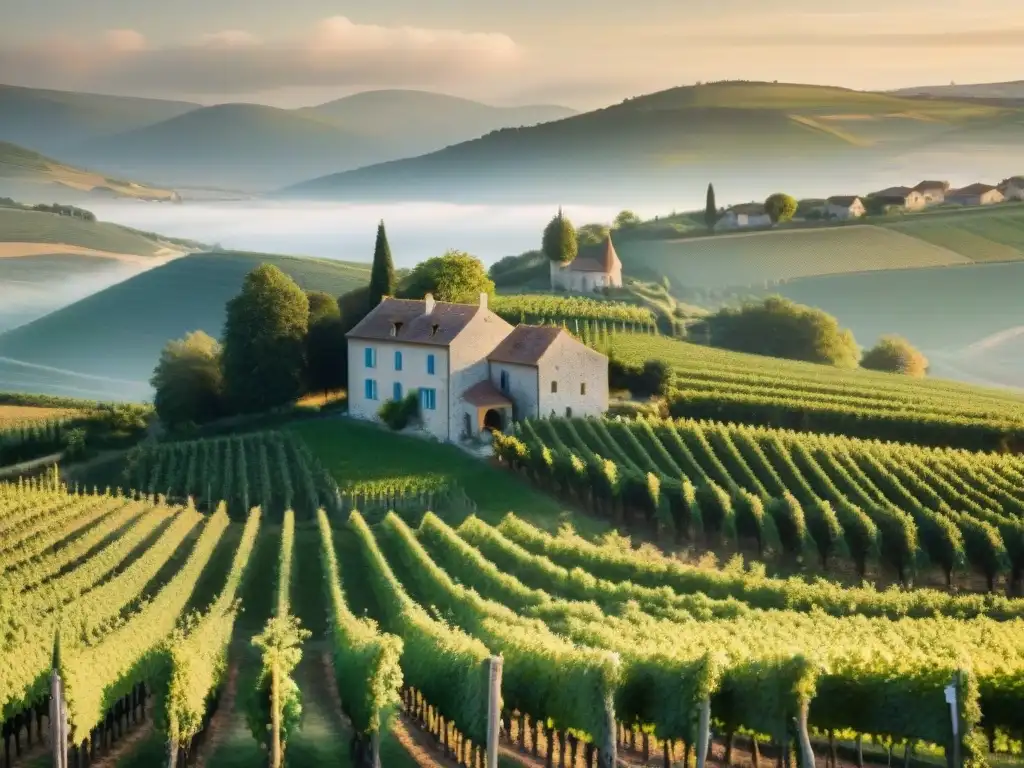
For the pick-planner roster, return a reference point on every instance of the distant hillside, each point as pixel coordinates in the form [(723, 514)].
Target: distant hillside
[(110, 341), (1010, 90), (53, 121), (24, 170), (439, 120), (258, 147), (647, 147)]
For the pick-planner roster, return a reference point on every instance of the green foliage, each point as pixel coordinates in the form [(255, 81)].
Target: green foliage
[(382, 274), (455, 277), (398, 414), (322, 306), (591, 234), (894, 354), (626, 220), (780, 207), (559, 240), (778, 327), (326, 355), (577, 312), (366, 660), (710, 209), (264, 341), (188, 382)]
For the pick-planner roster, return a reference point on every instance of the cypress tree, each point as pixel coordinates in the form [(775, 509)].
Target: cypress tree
[(382, 275), (710, 209)]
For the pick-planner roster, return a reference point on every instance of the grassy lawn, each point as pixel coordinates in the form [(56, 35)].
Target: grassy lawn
[(357, 454)]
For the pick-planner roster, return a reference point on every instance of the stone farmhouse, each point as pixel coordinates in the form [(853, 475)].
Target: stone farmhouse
[(595, 267), (933, 192), (744, 216), (473, 371), (900, 197), (844, 207), (975, 194)]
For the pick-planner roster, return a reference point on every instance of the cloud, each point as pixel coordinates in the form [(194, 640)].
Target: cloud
[(336, 52), (976, 38)]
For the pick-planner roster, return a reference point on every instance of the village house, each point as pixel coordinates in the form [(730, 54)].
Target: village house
[(744, 216), (844, 207), (1012, 188), (900, 197), (975, 194), (595, 267), (471, 370), (933, 192)]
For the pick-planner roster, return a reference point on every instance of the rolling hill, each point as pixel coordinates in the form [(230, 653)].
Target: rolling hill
[(259, 147), (648, 147), (53, 121), (107, 344), (29, 175), (1010, 90)]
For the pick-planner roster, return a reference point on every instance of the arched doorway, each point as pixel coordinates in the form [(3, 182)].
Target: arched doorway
[(492, 420)]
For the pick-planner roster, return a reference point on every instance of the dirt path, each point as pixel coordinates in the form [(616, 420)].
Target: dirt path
[(216, 731), (124, 745)]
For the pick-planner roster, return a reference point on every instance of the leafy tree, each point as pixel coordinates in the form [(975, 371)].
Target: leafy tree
[(321, 305), (626, 220), (780, 207), (326, 355), (778, 327), (456, 277), (559, 240), (895, 354), (710, 208), (265, 341), (188, 381), (382, 274), (591, 234)]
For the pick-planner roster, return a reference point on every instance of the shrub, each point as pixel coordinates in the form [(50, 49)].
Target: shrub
[(398, 414), (895, 354)]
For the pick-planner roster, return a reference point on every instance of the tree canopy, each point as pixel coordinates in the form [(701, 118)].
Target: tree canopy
[(382, 273), (626, 219), (780, 207), (895, 354), (559, 240), (188, 382), (321, 306), (778, 327), (591, 234), (710, 208), (265, 341), (456, 277)]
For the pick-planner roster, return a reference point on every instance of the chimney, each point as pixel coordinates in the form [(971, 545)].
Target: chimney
[(483, 301), (428, 304)]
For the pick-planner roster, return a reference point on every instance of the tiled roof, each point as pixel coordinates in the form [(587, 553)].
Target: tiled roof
[(972, 190), (844, 200), (925, 186), (412, 324), (893, 192), (596, 258), (526, 344), (484, 394), (751, 209)]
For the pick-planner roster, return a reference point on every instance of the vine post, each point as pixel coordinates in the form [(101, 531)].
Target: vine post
[(493, 709), (58, 710), (953, 756), (806, 751), (703, 732)]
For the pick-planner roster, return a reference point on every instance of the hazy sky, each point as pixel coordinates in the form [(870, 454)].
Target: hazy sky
[(581, 53)]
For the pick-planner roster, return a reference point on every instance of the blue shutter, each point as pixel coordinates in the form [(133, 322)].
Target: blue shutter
[(430, 364), (398, 360), (368, 357), (368, 389), (398, 390)]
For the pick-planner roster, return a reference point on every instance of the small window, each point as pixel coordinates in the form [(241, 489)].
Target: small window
[(396, 327), (428, 399), (398, 360), (370, 389), (568, 412), (370, 357), (583, 388), (430, 364), (504, 381), (554, 386), (398, 390), (434, 329)]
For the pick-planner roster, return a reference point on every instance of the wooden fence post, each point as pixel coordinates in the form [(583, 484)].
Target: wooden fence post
[(495, 665), (703, 733)]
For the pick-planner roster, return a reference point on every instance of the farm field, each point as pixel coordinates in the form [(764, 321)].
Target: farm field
[(536, 309), (828, 499), (13, 415), (634, 646), (764, 259), (990, 233), (732, 386), (107, 344), (20, 226)]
